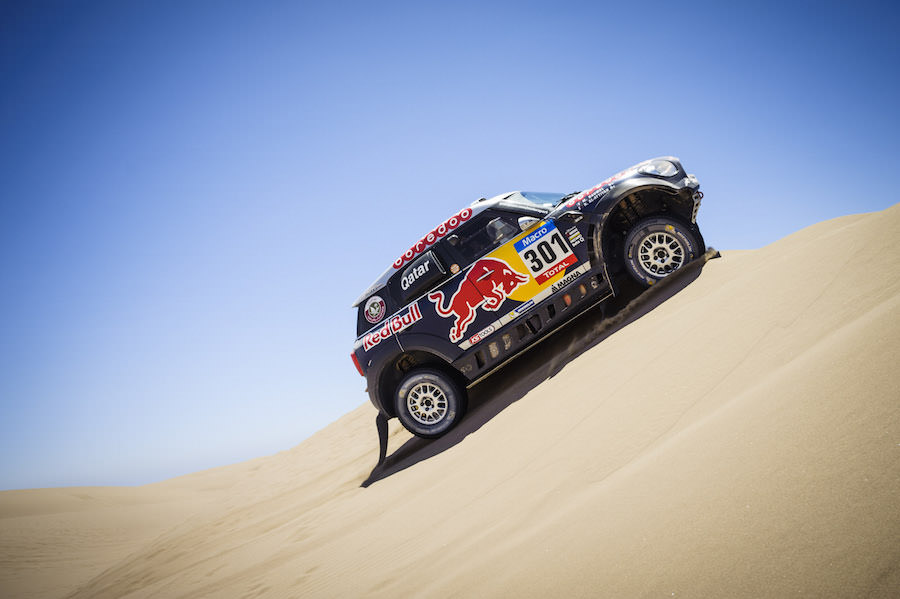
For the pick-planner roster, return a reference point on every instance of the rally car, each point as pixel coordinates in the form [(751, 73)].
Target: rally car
[(502, 273)]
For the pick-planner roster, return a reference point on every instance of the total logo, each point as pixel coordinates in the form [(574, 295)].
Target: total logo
[(554, 270), (393, 326)]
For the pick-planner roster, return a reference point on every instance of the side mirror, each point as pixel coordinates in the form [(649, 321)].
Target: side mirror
[(571, 216), (525, 222), (453, 239)]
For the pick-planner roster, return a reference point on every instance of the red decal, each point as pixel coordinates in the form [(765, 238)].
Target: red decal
[(393, 326), (585, 194), (488, 283), (429, 239), (558, 268), (478, 337)]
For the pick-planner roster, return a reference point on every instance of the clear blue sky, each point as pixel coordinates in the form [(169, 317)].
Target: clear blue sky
[(193, 193)]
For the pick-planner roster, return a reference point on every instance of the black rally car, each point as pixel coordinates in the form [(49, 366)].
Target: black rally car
[(499, 275)]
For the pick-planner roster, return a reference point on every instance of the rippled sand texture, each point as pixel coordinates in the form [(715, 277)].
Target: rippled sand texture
[(742, 439)]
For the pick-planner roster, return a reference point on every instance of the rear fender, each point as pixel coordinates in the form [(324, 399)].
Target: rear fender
[(391, 372), (441, 347)]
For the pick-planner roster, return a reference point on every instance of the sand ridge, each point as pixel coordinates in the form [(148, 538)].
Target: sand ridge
[(740, 439)]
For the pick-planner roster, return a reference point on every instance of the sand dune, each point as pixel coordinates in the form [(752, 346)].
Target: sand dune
[(741, 439)]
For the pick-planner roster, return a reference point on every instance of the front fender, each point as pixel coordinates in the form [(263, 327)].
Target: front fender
[(597, 206), (616, 194), (602, 198)]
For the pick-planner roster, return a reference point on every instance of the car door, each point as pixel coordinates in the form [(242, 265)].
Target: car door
[(418, 326), (509, 272)]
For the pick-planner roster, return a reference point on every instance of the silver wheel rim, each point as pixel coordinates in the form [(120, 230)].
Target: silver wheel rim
[(660, 254), (426, 403)]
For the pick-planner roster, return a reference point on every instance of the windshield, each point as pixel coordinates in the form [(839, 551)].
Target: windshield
[(542, 198)]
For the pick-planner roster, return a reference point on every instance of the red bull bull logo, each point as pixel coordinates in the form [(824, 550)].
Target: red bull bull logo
[(487, 284)]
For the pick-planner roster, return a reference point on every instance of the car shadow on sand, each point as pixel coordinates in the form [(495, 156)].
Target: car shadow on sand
[(541, 362)]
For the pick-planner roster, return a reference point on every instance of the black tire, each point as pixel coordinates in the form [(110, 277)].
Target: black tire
[(429, 402), (658, 246)]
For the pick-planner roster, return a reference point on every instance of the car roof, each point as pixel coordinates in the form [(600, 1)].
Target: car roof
[(510, 200)]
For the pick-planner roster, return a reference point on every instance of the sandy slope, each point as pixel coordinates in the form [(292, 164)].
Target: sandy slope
[(741, 439)]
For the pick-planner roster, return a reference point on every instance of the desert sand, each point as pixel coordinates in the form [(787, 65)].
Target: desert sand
[(739, 439)]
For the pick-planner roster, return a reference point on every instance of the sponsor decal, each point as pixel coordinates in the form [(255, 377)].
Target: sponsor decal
[(520, 309), (397, 323), (588, 197), (524, 307), (555, 270), (545, 253), (574, 236), (437, 233), (481, 336), (374, 309), (564, 281), (487, 284), (529, 239), (410, 277)]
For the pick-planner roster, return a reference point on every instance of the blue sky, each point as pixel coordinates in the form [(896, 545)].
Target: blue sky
[(193, 194)]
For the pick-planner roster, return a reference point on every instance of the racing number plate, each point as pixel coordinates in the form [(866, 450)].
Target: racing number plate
[(545, 253)]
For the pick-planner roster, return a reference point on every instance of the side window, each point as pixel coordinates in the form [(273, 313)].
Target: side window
[(419, 276), (485, 234)]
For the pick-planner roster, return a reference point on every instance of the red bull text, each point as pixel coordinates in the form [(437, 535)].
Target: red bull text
[(393, 326)]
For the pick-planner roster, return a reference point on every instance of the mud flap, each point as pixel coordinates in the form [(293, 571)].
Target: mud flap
[(381, 424)]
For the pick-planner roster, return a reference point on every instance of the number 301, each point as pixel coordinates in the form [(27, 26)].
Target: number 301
[(546, 251)]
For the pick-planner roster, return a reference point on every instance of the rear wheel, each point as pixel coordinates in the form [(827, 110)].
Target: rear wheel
[(429, 402), (658, 246)]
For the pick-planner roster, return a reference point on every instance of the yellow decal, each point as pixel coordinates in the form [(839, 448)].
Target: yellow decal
[(508, 253)]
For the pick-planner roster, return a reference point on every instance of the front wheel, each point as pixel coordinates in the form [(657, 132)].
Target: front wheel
[(429, 403), (658, 246)]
